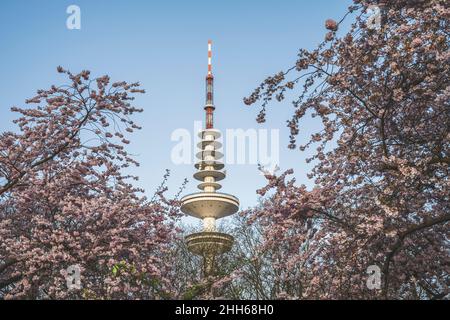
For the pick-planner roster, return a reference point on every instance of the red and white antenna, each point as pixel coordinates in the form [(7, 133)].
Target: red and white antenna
[(209, 107), (209, 57)]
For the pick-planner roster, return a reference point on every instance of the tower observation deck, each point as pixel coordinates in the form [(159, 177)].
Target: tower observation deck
[(208, 204)]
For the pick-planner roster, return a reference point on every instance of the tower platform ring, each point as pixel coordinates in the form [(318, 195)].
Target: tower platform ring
[(203, 243), (216, 144), (203, 185), (218, 165), (209, 132), (209, 204), (202, 154), (217, 175)]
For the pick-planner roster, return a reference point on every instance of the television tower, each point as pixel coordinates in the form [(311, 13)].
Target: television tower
[(208, 204)]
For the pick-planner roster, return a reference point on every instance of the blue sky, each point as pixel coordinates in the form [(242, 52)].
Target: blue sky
[(163, 45)]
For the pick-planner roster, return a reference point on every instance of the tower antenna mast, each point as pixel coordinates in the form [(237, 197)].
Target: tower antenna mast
[(209, 106)]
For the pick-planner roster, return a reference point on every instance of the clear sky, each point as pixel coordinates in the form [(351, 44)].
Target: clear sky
[(163, 45)]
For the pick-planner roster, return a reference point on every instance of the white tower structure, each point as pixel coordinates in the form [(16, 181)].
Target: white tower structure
[(208, 204)]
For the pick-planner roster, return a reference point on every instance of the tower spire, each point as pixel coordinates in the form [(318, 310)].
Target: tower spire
[(209, 57), (209, 107)]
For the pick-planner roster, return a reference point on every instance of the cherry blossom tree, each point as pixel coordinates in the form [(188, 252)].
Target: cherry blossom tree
[(381, 159), (66, 201)]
